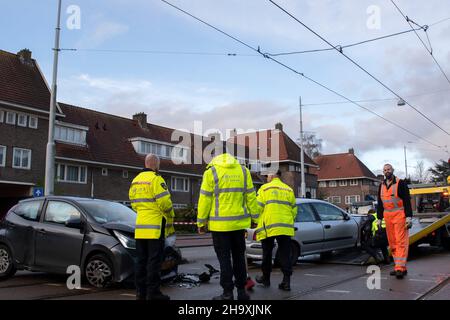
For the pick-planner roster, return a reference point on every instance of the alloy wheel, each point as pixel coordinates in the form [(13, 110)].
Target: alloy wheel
[(98, 273), (4, 260)]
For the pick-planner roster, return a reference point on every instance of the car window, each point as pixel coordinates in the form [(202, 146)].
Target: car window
[(60, 212), (29, 210), (305, 213), (106, 211), (327, 212)]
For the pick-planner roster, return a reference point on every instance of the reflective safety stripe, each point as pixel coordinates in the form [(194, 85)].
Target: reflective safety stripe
[(147, 226), (392, 210), (275, 187), (216, 190), (140, 182), (244, 172), (250, 190), (275, 225), (279, 202), (255, 216), (261, 204), (163, 194), (206, 193), (221, 190), (201, 220), (404, 259), (229, 218), (143, 200)]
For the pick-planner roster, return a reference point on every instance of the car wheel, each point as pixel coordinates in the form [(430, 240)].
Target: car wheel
[(7, 268), (295, 253), (99, 271)]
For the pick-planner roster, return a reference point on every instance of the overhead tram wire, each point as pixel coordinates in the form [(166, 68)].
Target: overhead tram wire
[(162, 52), (430, 51), (358, 65), (298, 73)]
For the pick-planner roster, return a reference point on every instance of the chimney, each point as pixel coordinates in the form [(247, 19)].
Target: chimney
[(141, 119), (279, 126), (351, 151), (25, 56)]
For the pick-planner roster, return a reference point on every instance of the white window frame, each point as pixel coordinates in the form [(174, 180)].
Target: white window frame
[(332, 184), (105, 172), (173, 183), (29, 122), (2, 116), (24, 124), (342, 183), (64, 179), (322, 184), (29, 159), (354, 182), (3, 163), (331, 198), (70, 130), (15, 116), (357, 198), (125, 174)]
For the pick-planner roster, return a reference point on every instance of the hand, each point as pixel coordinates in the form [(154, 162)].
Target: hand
[(408, 222), (201, 230)]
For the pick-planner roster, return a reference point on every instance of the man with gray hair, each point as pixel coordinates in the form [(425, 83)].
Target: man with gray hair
[(394, 205), (154, 222)]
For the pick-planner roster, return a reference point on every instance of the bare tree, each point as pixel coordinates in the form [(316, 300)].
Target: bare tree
[(311, 144), (421, 174)]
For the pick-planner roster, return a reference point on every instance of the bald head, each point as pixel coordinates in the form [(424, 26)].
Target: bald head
[(388, 171), (152, 162)]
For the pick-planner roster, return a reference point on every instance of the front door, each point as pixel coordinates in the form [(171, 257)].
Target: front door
[(309, 232)]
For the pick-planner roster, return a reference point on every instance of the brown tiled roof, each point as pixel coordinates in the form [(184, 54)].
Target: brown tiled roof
[(108, 140), (288, 149), (341, 166), (22, 83)]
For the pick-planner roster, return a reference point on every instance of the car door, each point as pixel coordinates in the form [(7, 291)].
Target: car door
[(309, 232), (58, 246), (338, 231), (20, 230)]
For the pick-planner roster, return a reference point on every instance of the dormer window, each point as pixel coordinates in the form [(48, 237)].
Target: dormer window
[(162, 149), (69, 133)]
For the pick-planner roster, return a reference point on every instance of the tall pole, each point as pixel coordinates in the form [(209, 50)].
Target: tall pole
[(302, 157), (406, 166), (50, 152)]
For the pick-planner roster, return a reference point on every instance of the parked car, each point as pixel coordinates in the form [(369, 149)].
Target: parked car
[(51, 233), (320, 227)]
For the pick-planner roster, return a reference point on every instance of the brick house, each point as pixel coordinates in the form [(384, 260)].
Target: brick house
[(275, 146), (343, 179)]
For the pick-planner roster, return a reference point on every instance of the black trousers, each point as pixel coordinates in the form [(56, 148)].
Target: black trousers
[(148, 264), (284, 254), (373, 250), (231, 245)]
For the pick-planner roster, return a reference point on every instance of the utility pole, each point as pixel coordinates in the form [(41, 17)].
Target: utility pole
[(302, 157), (50, 152), (406, 166)]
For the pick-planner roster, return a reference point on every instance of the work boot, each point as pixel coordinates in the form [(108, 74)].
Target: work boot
[(285, 285), (226, 295), (393, 273), (158, 296), (399, 274), (242, 294), (265, 281)]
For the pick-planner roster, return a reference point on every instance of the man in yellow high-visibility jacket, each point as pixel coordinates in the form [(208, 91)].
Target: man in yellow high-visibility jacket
[(276, 222), (151, 200), (227, 203)]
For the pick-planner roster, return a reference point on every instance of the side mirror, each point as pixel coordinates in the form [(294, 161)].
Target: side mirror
[(74, 222), (346, 216)]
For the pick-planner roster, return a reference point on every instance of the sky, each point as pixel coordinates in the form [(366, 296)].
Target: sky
[(138, 56)]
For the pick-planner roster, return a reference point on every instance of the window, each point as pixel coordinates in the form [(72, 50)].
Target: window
[(71, 173), (29, 210), (21, 158), (125, 174), (352, 199), (164, 151), (342, 183), (2, 116), (22, 120), (332, 184), (10, 117), (33, 122), (180, 184), (322, 184), (60, 212), (305, 213), (311, 192), (71, 135), (105, 172), (353, 182), (334, 199), (328, 212), (2, 156)]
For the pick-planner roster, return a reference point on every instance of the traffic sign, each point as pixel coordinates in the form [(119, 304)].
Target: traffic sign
[(38, 192)]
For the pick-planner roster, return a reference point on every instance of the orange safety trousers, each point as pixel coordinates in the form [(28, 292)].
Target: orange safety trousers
[(397, 234)]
